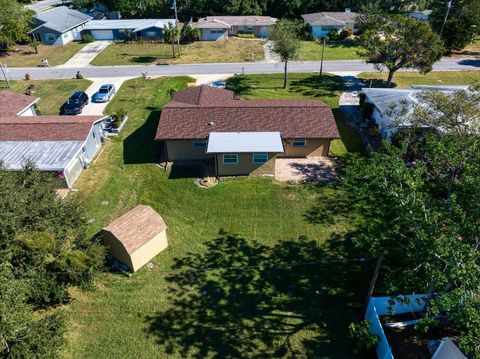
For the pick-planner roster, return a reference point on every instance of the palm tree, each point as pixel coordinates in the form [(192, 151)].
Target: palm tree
[(172, 35)]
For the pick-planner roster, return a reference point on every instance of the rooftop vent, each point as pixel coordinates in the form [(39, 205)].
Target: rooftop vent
[(210, 124)]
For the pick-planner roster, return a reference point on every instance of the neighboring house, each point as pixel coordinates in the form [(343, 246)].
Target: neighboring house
[(420, 15), (322, 23), (243, 137), (221, 27), (118, 29), (385, 104), (64, 145), (58, 26)]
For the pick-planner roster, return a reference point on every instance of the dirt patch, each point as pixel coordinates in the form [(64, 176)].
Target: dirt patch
[(301, 170)]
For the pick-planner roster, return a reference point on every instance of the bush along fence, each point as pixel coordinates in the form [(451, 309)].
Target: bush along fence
[(379, 306)]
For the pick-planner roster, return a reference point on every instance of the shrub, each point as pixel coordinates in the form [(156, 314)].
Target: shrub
[(87, 38), (190, 33), (333, 35), (118, 116), (346, 32), (363, 342), (304, 31), (246, 36)]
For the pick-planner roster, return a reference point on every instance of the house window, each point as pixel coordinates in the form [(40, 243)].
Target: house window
[(259, 158), (151, 34), (50, 37), (199, 143), (299, 142), (230, 159), (216, 31)]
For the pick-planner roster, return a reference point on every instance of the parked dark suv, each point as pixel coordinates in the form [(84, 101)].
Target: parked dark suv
[(76, 103)]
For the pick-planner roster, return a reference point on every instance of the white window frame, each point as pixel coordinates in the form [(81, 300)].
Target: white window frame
[(257, 162), (230, 163), (199, 143), (297, 140)]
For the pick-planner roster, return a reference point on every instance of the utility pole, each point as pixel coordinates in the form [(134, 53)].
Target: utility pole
[(4, 74), (323, 52), (174, 7), (449, 6)]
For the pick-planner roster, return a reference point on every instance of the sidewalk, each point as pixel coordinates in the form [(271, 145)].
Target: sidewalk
[(270, 56), (87, 54)]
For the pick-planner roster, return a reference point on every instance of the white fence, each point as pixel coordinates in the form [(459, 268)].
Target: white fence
[(378, 306)]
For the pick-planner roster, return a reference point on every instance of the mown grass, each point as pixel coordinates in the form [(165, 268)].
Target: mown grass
[(327, 88), (334, 50), (265, 292), (406, 79), (56, 55), (52, 93), (233, 50)]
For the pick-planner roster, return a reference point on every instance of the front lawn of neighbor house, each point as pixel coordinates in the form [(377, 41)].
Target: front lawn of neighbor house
[(26, 56), (405, 79), (253, 268), (233, 50), (52, 93), (334, 50)]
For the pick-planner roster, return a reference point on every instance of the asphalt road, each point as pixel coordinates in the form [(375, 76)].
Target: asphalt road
[(220, 68)]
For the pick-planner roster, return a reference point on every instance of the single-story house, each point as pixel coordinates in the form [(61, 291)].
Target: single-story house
[(63, 145), (117, 29), (322, 23), (386, 103), (58, 26), (220, 27), (136, 237), (420, 15), (243, 137)]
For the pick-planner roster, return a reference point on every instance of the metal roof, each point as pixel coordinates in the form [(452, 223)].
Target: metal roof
[(61, 19), (130, 24), (258, 142), (47, 155), (448, 350)]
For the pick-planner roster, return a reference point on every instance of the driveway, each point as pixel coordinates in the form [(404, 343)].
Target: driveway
[(87, 54), (301, 170), (96, 109)]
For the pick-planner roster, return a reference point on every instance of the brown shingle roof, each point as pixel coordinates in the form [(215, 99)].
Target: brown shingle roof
[(197, 111), (331, 18), (12, 103), (227, 21), (46, 128), (137, 227)]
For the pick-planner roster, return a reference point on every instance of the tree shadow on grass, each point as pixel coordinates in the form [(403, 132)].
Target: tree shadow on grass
[(143, 59), (140, 146), (324, 87), (243, 299)]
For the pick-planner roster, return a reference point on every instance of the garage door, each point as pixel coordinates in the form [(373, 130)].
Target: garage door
[(102, 34)]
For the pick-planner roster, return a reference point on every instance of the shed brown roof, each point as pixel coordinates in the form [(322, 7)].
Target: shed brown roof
[(12, 103), (137, 227), (197, 111), (46, 128)]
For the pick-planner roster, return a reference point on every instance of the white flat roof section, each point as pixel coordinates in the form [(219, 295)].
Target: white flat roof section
[(47, 155), (245, 142), (134, 24)]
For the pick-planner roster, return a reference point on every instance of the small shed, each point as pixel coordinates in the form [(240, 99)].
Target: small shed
[(136, 237)]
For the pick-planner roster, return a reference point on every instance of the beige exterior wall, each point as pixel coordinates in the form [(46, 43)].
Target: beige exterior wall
[(142, 255), (183, 150), (149, 250), (246, 166), (314, 148)]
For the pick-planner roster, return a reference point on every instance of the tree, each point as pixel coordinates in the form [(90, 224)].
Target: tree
[(421, 209), (15, 23), (462, 25), (286, 43), (172, 35), (190, 33), (400, 42)]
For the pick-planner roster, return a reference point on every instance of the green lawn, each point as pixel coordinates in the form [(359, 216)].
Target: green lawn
[(233, 50), (265, 292), (334, 50), (56, 55), (405, 79), (52, 93), (308, 85)]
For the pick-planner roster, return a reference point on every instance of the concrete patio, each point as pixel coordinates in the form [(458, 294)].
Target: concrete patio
[(301, 170)]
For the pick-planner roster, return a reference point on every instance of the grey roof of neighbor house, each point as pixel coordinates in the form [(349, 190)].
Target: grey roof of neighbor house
[(448, 350), (47, 155), (211, 22), (60, 19), (131, 24), (245, 142), (330, 18)]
